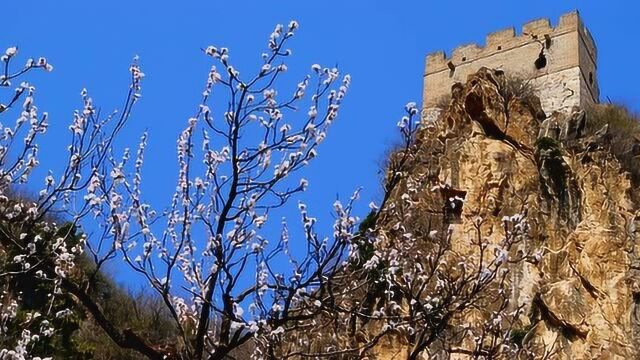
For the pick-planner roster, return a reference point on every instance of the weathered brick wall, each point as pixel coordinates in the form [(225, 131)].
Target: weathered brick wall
[(568, 79)]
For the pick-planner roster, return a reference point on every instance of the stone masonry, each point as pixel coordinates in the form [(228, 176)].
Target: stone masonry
[(561, 60)]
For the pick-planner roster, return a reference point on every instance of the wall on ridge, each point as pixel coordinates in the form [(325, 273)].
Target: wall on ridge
[(567, 79)]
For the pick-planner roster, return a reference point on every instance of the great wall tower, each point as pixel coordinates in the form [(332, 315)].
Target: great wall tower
[(561, 60)]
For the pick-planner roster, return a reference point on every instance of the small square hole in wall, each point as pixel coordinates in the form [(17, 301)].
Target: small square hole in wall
[(452, 206), (499, 47), (464, 58), (453, 209)]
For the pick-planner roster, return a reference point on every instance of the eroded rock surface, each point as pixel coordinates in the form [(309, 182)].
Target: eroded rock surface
[(580, 286)]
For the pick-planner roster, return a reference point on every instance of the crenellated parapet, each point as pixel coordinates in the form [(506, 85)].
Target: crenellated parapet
[(536, 31), (537, 50)]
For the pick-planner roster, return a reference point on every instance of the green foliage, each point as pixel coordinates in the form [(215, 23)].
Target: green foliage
[(549, 155), (368, 223), (34, 292), (549, 144), (517, 335), (362, 238), (76, 336)]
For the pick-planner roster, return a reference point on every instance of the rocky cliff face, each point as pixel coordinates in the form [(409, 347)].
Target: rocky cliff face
[(579, 284)]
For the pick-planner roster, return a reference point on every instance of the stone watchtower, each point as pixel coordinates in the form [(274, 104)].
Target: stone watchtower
[(560, 61)]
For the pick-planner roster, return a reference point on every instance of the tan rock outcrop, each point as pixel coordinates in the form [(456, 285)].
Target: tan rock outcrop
[(580, 285)]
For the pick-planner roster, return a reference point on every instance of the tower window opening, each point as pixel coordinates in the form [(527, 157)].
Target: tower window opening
[(464, 58), (499, 47), (590, 78)]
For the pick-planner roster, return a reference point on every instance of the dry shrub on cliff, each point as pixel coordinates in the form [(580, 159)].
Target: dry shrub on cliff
[(515, 86), (443, 101), (623, 134), (510, 86), (141, 311)]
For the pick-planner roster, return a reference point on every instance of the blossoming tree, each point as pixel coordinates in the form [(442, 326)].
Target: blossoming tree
[(226, 281)]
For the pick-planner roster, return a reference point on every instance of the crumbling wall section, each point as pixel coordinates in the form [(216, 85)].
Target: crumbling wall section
[(560, 59)]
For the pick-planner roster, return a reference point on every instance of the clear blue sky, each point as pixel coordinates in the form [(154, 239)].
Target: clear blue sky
[(382, 44)]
